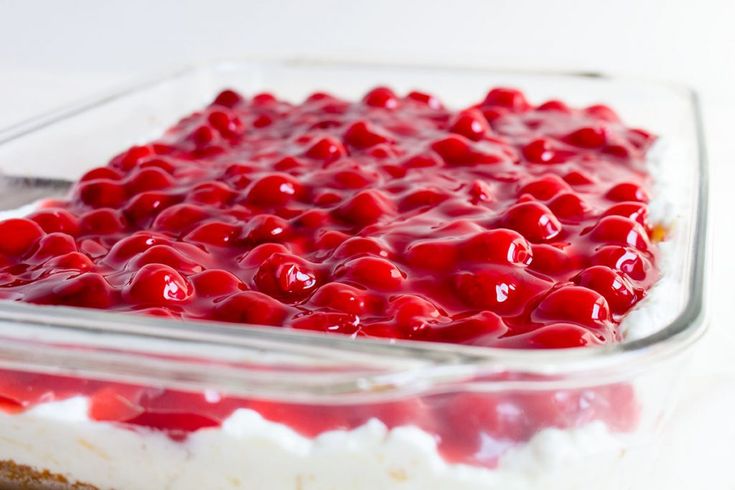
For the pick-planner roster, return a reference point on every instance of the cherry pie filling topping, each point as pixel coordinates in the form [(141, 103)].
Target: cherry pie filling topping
[(504, 224)]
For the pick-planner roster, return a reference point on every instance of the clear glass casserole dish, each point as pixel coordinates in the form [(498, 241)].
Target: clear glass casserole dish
[(88, 396)]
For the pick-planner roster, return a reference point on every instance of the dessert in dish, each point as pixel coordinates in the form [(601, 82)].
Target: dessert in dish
[(504, 224)]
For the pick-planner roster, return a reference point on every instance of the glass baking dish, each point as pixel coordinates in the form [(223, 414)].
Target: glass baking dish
[(277, 409)]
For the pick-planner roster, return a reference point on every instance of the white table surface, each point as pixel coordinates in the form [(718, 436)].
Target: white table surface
[(52, 53)]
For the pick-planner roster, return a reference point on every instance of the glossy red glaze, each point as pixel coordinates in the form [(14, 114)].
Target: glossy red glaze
[(486, 209)]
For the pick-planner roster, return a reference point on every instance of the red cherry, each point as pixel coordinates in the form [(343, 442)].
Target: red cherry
[(333, 322), (422, 161), (508, 98), (568, 206), (56, 219), (616, 289), (238, 175), (157, 285), (320, 97), (264, 99), (87, 290), (422, 198), (550, 260), (341, 297), (326, 149), (145, 206), (626, 260), (627, 191), (132, 245), (602, 112), (257, 255), (202, 136), (471, 124), (19, 236), (213, 193), (106, 173), (469, 419), (174, 425), (633, 210), (482, 329), (274, 190), (555, 106), (329, 240), (499, 246), (545, 187), (619, 151), (180, 217), (358, 246), (366, 207), (384, 151), (326, 198), (225, 123), (161, 164), (382, 97), (289, 163), (492, 288), (373, 272), (576, 177), (480, 191), (262, 121), (314, 219), (363, 135), (285, 276), (573, 304), (101, 193), (132, 157), (533, 220), (413, 314), (437, 255), (53, 245), (266, 228), (587, 137), (166, 255), (542, 150), (554, 336), (453, 149), (617, 230), (214, 283), (457, 150), (148, 179), (103, 221), (228, 98), (73, 261), (639, 138), (425, 99), (251, 307), (215, 233)]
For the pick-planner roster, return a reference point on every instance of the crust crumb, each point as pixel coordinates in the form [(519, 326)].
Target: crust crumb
[(398, 474), (21, 477)]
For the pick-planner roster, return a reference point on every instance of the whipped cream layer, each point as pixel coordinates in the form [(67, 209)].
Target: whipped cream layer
[(250, 452)]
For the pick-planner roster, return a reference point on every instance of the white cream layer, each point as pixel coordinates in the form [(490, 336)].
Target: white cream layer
[(250, 453)]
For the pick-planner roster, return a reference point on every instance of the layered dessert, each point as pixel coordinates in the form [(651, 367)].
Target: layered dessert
[(504, 224)]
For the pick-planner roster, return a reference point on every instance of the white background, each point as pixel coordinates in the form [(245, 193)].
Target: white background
[(54, 52)]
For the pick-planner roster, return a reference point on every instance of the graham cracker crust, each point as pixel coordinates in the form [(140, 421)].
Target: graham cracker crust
[(21, 477)]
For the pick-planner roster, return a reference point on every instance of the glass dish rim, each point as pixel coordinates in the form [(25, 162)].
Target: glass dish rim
[(683, 331)]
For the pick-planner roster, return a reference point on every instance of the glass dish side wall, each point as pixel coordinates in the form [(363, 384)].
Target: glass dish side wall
[(498, 429), (290, 378)]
